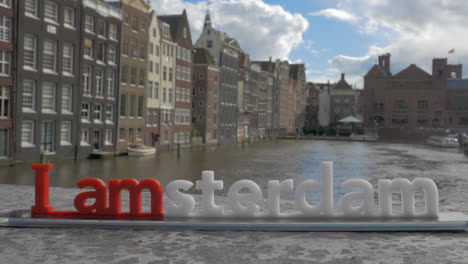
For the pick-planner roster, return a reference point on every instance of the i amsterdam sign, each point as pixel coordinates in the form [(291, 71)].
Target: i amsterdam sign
[(355, 210)]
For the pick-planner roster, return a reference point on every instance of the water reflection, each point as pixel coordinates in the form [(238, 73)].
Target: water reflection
[(298, 160)]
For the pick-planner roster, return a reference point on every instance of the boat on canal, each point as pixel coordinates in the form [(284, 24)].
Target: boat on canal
[(140, 150), (443, 141)]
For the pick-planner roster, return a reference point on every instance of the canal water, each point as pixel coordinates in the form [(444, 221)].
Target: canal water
[(260, 162)]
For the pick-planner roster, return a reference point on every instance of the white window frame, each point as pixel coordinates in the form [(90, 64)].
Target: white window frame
[(99, 81), (52, 97), (53, 56), (65, 136), (5, 3), (108, 137), (90, 54), (109, 114), (69, 18), (110, 84), (84, 137), (28, 11), (54, 19), (90, 23), (30, 143), (86, 117), (112, 55), (31, 95), (113, 31), (67, 100), (68, 58), (97, 113), (5, 102), (5, 28), (30, 65), (5, 63), (87, 79)]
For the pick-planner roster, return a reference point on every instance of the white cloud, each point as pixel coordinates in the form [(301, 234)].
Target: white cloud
[(415, 31), (262, 30), (336, 14)]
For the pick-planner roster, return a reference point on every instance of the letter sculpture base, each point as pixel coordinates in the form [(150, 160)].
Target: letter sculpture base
[(445, 222)]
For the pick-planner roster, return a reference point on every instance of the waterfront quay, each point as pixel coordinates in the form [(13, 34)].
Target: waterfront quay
[(297, 160)]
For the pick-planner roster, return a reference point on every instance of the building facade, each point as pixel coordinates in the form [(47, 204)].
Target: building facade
[(99, 59), (206, 77), (167, 85), (8, 33), (311, 119), (133, 65), (153, 111), (180, 32), (48, 70), (226, 54), (343, 100), (299, 97), (413, 99)]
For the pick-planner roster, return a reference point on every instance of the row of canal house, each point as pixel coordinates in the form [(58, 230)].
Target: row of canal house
[(91, 75)]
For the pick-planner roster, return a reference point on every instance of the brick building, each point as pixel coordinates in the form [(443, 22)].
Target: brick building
[(206, 76), (180, 32), (134, 63), (413, 98)]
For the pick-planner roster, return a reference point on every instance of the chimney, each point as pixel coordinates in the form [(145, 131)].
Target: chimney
[(270, 58), (342, 76), (384, 63)]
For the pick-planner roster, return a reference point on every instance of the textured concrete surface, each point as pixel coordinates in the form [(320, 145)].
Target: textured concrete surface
[(56, 245)]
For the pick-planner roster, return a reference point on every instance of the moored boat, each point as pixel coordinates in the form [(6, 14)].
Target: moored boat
[(140, 150), (443, 142)]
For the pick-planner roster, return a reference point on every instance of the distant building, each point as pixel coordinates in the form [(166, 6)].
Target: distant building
[(342, 100), (312, 104), (180, 32), (226, 54), (134, 63), (206, 77), (153, 110), (413, 98), (324, 106), (299, 97)]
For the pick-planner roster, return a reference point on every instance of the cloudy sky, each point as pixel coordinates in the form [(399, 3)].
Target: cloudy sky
[(334, 36)]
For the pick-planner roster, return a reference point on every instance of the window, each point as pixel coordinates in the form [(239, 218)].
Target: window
[(132, 105), (48, 97), (164, 94), (108, 137), (123, 105), (113, 31), (122, 134), (143, 52), (30, 8), (150, 89), (89, 24), (27, 133), (133, 76), (150, 68), (139, 135), (101, 52), (67, 98), (101, 28), (85, 112), (5, 58), (51, 12), (151, 47), (156, 68), (140, 106), (110, 84), (164, 73), (88, 48), (47, 136), (87, 79), (50, 55), (142, 78), (109, 113), (84, 137), (170, 74), (156, 90), (99, 75), (166, 30), (135, 23), (185, 32), (69, 17), (29, 95), (4, 101), (5, 28), (65, 133), (126, 47), (30, 51), (170, 95), (157, 50), (112, 56), (97, 112), (148, 117), (124, 74), (68, 58)]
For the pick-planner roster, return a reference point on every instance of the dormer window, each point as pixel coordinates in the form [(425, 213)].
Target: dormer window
[(166, 29), (185, 32)]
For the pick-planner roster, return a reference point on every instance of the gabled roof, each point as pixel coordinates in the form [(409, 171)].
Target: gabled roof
[(169, 38), (412, 72), (173, 21), (342, 85), (376, 71)]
